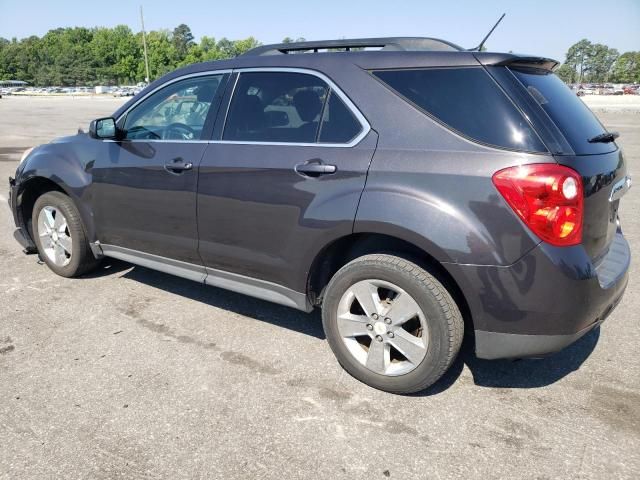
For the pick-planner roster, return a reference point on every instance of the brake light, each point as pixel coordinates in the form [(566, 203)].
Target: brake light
[(548, 198)]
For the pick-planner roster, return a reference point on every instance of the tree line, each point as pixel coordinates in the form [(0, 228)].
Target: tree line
[(109, 56), (588, 62)]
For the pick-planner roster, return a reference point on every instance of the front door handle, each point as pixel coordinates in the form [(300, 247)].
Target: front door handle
[(315, 169), (178, 165)]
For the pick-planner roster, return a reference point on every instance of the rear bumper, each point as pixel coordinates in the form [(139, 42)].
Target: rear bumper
[(495, 345), (545, 301)]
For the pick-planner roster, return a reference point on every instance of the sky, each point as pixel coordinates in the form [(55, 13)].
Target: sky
[(542, 27)]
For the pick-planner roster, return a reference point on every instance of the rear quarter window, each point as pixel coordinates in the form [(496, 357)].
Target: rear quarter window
[(468, 101)]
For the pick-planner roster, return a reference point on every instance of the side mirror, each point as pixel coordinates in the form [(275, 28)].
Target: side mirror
[(103, 128)]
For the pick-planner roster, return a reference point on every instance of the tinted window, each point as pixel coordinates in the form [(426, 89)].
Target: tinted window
[(176, 112), (276, 107), (338, 123), (568, 112), (468, 101)]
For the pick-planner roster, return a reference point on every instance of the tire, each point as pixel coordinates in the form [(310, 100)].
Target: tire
[(420, 350), (80, 259)]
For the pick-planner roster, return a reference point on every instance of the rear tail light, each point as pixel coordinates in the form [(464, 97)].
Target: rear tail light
[(548, 198)]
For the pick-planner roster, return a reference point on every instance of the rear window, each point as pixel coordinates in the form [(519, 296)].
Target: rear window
[(574, 119), (468, 101)]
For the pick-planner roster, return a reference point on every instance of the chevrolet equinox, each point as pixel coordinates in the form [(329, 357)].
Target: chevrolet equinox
[(410, 188)]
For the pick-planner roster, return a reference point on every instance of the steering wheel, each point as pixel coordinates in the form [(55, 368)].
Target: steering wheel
[(178, 131)]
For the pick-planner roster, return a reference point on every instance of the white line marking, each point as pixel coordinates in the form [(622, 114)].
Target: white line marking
[(3, 198)]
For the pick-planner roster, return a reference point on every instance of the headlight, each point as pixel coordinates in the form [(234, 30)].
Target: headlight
[(26, 154)]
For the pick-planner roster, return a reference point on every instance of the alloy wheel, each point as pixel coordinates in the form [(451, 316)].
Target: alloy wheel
[(383, 327), (55, 237)]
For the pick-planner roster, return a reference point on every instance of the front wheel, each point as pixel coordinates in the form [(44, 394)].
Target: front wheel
[(60, 237), (391, 324)]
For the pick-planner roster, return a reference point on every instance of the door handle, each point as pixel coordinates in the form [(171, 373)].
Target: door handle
[(315, 169), (178, 165)]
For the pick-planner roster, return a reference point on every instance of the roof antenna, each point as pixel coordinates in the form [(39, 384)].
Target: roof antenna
[(479, 47)]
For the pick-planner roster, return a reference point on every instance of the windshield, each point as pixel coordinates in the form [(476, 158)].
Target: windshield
[(574, 119)]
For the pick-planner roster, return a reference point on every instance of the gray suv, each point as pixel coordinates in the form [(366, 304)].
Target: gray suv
[(410, 188)]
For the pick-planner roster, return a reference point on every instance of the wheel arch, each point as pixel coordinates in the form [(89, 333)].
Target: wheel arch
[(33, 188), (342, 250)]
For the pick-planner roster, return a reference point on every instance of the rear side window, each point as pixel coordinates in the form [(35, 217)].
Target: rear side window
[(468, 101), (576, 122), (276, 107), (338, 123)]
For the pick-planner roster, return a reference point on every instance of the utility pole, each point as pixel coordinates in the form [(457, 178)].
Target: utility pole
[(144, 44)]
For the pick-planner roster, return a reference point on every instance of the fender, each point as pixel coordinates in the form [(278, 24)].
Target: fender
[(413, 200), (67, 162)]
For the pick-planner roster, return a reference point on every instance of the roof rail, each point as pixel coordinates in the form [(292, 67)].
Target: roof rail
[(390, 43)]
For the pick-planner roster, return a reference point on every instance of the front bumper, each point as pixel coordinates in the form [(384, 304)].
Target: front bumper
[(545, 301), (20, 233)]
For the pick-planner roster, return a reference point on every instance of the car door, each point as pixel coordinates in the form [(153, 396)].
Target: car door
[(144, 184), (284, 177)]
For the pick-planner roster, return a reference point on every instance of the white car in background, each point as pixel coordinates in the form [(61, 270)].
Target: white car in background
[(585, 90)]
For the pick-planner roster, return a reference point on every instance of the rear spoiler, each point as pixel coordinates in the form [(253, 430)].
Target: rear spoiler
[(513, 60)]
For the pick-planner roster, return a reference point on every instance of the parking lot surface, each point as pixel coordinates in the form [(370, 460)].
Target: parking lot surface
[(131, 373)]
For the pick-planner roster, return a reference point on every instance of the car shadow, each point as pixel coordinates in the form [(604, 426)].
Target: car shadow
[(526, 373), (289, 318)]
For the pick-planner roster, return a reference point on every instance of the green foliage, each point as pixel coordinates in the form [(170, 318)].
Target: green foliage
[(626, 68), (182, 39), (597, 63), (566, 73), (81, 56)]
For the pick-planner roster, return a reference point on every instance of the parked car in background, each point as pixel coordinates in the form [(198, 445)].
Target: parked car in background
[(631, 89), (585, 90), (606, 89), (412, 193)]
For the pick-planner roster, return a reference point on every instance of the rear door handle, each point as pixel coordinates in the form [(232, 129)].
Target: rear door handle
[(315, 169), (178, 165)]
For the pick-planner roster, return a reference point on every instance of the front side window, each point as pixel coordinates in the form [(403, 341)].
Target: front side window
[(468, 101), (176, 112)]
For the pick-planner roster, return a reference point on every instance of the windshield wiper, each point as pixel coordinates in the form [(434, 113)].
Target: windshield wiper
[(604, 137)]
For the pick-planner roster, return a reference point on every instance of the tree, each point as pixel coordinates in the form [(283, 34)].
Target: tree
[(626, 68), (577, 57), (599, 61), (566, 73), (182, 39), (588, 62), (90, 56), (229, 49)]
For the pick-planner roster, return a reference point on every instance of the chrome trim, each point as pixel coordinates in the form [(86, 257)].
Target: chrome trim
[(620, 188), (167, 265), (235, 282), (154, 140), (254, 287)]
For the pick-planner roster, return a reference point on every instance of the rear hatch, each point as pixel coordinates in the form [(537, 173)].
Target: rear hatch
[(577, 140)]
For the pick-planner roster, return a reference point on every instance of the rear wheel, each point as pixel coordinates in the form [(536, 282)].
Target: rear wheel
[(60, 237), (391, 324)]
